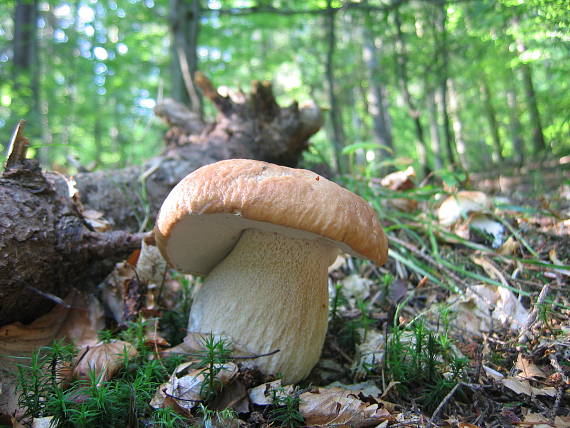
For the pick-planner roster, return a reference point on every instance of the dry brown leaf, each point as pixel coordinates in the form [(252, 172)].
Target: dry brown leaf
[(355, 287), (399, 181), (474, 313), (77, 322), (340, 407), (528, 370), (523, 386), (105, 359), (536, 421), (554, 258), (45, 422), (96, 220), (182, 391), (510, 247), (458, 206), (145, 277), (262, 395)]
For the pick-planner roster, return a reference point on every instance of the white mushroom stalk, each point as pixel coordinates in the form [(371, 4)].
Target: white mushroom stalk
[(269, 293)]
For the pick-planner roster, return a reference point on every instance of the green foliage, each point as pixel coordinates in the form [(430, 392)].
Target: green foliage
[(216, 417), (168, 418), (101, 67), (94, 401), (424, 362), (41, 377), (284, 410), (216, 353)]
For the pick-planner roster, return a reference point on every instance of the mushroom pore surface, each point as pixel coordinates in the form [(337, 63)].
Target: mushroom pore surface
[(269, 293)]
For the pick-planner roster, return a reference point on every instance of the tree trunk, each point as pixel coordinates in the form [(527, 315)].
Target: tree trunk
[(444, 71), (514, 121), (377, 105), (402, 61), (539, 143), (457, 124), (435, 135), (25, 60), (536, 123), (45, 243), (184, 23), (492, 119), (335, 113)]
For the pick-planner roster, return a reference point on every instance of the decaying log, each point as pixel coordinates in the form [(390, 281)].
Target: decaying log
[(47, 247)]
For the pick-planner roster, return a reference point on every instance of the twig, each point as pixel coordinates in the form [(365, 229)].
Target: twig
[(250, 357), (57, 300), (443, 403), (533, 316), (559, 387), (187, 77)]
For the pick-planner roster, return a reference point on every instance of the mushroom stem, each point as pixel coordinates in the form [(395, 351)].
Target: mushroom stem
[(269, 293)]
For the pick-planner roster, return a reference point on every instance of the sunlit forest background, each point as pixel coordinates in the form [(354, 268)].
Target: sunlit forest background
[(433, 83)]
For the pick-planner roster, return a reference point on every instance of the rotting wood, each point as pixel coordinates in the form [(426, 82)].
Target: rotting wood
[(46, 244)]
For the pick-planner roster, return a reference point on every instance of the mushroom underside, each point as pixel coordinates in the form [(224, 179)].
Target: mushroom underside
[(269, 293)]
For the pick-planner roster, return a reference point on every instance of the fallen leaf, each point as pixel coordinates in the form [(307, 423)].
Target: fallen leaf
[(339, 407), (493, 374), (523, 386), (129, 287), (369, 353), (400, 181), (489, 226), (473, 313), (528, 370), (45, 422), (458, 206), (536, 421), (182, 391), (262, 395), (96, 221), (510, 247), (78, 322), (104, 359), (355, 287)]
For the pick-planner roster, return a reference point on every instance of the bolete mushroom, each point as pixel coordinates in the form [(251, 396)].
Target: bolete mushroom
[(265, 235)]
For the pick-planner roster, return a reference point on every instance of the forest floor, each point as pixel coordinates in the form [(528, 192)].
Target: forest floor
[(467, 325)]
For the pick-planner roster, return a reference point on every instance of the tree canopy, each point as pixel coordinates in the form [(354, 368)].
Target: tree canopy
[(463, 82)]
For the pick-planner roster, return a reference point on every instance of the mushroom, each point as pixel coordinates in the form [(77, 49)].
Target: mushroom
[(264, 236)]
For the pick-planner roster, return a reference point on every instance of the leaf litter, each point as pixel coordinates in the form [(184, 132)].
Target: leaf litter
[(476, 278)]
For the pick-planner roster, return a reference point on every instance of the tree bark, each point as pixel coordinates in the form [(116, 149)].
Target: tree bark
[(454, 112), (184, 23), (435, 135), (402, 61), (444, 71), (514, 121), (335, 113), (535, 120), (46, 245), (539, 143), (377, 104), (492, 119), (25, 60)]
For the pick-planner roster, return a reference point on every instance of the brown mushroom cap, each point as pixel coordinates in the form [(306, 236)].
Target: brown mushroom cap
[(203, 217)]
